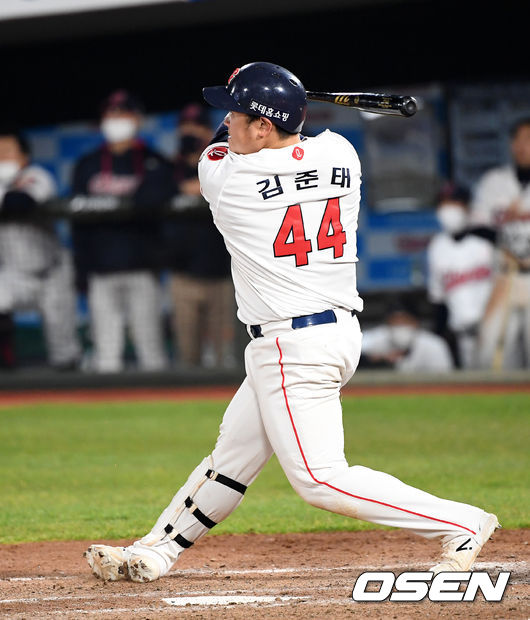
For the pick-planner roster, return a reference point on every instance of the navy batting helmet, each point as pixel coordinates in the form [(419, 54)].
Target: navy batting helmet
[(263, 89)]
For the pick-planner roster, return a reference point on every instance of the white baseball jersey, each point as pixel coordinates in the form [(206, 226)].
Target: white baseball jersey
[(494, 194), (26, 246), (461, 277), (289, 220)]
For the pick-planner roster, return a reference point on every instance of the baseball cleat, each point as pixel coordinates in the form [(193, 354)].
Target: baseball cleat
[(108, 563), (142, 569), (460, 552)]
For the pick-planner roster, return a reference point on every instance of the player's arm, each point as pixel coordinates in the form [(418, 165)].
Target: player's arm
[(157, 187), (490, 196), (83, 170), (32, 188), (18, 205), (211, 176), (435, 291), (485, 232), (220, 135), (81, 201)]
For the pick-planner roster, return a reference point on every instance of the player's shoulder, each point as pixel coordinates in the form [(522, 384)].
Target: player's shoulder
[(475, 238), (440, 242), (149, 151), (332, 137), (214, 152), (497, 175), (332, 143), (88, 158), (37, 181), (155, 160), (212, 170), (36, 170), (35, 173)]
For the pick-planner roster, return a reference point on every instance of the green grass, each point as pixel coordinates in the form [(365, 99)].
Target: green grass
[(106, 470)]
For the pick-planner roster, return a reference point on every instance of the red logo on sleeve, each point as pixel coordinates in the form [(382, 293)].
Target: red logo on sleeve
[(298, 153), (217, 153)]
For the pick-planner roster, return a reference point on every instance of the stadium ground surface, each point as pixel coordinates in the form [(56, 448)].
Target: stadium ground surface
[(309, 575), (9, 398), (295, 575)]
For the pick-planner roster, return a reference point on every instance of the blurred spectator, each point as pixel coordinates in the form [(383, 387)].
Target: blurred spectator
[(502, 205), (460, 274), (403, 345), (117, 256), (200, 283), (35, 269)]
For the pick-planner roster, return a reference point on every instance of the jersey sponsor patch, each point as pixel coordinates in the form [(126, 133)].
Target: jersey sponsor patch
[(217, 153), (298, 153)]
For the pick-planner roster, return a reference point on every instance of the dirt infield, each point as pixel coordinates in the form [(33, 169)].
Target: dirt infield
[(284, 576), (10, 398)]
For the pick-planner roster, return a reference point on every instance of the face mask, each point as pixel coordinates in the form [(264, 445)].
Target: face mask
[(452, 218), (8, 171), (118, 129), (402, 336)]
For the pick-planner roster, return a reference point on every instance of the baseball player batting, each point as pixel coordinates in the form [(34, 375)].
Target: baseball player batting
[(287, 207)]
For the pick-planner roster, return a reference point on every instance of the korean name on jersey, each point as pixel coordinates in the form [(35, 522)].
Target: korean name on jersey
[(289, 220)]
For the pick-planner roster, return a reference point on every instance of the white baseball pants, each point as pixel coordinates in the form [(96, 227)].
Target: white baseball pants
[(118, 300), (53, 295), (289, 404)]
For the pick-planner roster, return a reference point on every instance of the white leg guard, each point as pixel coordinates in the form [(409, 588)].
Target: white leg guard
[(204, 500)]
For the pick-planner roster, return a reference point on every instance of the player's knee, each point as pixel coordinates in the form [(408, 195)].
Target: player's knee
[(317, 487), (310, 490), (308, 493)]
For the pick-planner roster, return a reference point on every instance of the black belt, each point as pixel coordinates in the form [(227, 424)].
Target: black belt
[(319, 318)]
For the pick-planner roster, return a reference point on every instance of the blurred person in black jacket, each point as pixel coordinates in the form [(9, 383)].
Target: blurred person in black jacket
[(36, 271), (116, 254), (200, 283)]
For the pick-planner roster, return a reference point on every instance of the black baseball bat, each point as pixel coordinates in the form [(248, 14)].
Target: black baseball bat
[(396, 105)]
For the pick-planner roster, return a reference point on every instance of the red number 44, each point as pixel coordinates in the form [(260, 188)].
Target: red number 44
[(291, 239)]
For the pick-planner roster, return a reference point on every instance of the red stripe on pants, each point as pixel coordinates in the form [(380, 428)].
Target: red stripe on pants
[(366, 499)]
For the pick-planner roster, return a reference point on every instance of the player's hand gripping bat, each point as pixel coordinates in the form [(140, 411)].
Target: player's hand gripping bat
[(396, 105)]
